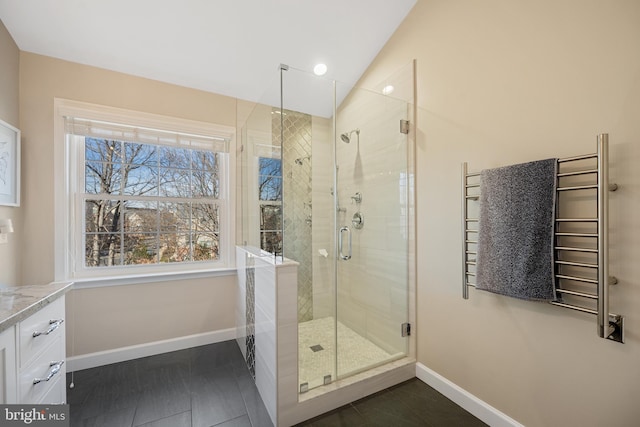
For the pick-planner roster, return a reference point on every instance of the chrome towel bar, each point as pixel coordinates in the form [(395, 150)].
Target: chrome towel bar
[(590, 243)]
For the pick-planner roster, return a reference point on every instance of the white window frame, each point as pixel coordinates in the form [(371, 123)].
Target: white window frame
[(68, 212)]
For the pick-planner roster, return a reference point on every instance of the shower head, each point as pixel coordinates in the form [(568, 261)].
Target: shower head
[(346, 137)]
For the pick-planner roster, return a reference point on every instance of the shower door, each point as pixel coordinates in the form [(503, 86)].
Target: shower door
[(372, 202), (346, 199)]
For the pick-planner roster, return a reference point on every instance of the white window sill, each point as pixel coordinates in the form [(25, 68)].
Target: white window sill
[(99, 282)]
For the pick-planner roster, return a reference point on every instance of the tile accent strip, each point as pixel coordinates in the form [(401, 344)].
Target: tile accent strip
[(250, 301)]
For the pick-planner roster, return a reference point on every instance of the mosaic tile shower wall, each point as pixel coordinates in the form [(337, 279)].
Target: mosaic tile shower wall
[(296, 170), (250, 300)]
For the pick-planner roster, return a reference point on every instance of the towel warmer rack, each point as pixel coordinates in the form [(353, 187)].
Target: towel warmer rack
[(609, 325)]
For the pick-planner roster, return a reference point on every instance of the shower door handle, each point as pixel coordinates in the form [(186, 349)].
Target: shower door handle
[(341, 243)]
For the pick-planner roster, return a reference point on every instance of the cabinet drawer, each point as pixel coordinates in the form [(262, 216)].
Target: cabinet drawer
[(57, 395), (40, 368), (41, 324)]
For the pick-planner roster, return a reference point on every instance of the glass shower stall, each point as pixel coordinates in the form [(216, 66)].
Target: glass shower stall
[(326, 179)]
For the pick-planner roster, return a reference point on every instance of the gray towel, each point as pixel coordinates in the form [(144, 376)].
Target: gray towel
[(515, 234)]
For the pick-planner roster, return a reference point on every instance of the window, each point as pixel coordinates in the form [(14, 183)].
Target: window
[(149, 204), (145, 199), (270, 203)]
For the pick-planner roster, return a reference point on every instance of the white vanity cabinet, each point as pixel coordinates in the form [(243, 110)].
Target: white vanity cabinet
[(41, 356), (32, 344)]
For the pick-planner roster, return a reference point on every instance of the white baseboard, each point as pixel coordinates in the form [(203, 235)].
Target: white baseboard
[(100, 358), (466, 400)]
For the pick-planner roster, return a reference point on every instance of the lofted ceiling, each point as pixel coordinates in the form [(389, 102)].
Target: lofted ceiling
[(229, 47)]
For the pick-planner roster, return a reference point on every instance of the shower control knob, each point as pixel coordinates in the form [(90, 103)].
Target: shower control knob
[(357, 220)]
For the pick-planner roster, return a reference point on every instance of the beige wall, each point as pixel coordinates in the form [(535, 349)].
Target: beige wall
[(108, 318), (500, 82), (9, 70)]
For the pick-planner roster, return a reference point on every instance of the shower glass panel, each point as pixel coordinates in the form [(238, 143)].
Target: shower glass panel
[(346, 197), (259, 174), (309, 218), (372, 200), (258, 220)]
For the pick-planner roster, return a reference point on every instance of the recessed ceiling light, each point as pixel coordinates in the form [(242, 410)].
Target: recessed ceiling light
[(387, 89), (320, 70)]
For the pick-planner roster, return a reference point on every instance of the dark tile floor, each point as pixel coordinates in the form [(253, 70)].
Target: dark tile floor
[(411, 403), (198, 387), (211, 386)]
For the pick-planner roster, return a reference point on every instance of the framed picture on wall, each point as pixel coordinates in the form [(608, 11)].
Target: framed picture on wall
[(9, 165)]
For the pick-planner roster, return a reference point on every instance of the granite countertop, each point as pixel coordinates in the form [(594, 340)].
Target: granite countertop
[(19, 302)]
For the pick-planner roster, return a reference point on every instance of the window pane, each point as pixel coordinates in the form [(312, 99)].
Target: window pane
[(270, 188), (140, 169), (205, 247), (102, 150), (204, 160), (140, 154), (204, 176), (102, 178), (175, 247), (102, 249), (205, 184), (141, 217), (205, 217), (270, 166), (270, 228), (270, 179), (175, 217), (175, 157), (270, 218), (175, 183), (140, 248), (140, 180), (271, 242), (103, 216)]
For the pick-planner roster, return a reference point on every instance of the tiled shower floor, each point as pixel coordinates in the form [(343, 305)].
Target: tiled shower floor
[(316, 346)]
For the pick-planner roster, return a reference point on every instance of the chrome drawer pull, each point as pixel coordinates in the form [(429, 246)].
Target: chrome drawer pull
[(55, 368), (53, 325)]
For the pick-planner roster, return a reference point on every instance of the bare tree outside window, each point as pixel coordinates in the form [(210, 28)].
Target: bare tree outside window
[(270, 200), (149, 204)]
